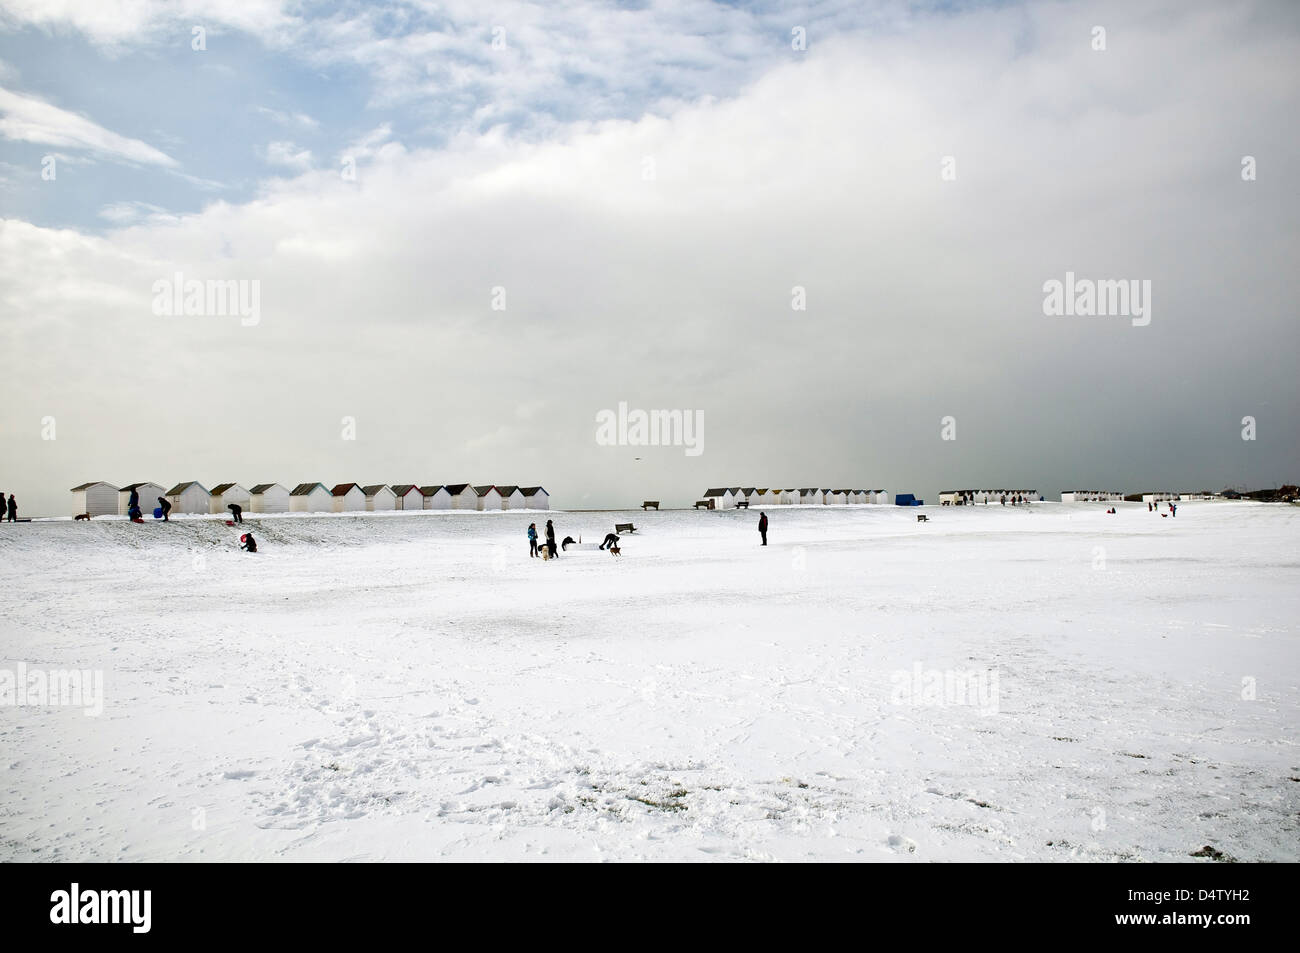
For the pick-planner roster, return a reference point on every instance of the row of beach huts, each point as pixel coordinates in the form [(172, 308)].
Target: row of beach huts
[(104, 499), (721, 498)]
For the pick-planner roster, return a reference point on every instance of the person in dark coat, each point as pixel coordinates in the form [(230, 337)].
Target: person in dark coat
[(611, 540), (13, 508), (762, 527), (236, 511), (247, 543), (550, 540), (532, 539), (165, 507)]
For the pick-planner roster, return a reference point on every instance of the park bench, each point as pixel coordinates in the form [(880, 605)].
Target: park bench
[(649, 503), (707, 504), (621, 528), (922, 518), (744, 503)]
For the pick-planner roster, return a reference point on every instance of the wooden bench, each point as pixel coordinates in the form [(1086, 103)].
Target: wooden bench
[(707, 504), (649, 503), (922, 518), (621, 528), (742, 503)]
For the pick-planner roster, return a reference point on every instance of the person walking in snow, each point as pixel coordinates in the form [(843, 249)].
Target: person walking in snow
[(550, 540), (532, 539), (236, 511), (13, 508), (165, 507), (762, 526)]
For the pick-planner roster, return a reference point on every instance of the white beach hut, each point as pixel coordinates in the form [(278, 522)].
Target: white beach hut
[(223, 494), (462, 496), (408, 496), (149, 492), (348, 498), (189, 497), (379, 497), (310, 498), (97, 499), (269, 498), (834, 497), (489, 499), (512, 498), (536, 498), (435, 497), (720, 497)]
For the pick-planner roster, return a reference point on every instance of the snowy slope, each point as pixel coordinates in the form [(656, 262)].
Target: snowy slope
[(415, 687)]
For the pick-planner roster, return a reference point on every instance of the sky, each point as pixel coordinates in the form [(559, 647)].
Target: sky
[(463, 232)]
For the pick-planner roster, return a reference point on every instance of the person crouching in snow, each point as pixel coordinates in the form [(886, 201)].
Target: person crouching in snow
[(236, 512), (532, 539), (611, 542), (165, 507), (247, 543)]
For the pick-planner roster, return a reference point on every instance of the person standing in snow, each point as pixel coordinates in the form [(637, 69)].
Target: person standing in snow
[(236, 511), (762, 526), (165, 507), (13, 508), (550, 540), (532, 539)]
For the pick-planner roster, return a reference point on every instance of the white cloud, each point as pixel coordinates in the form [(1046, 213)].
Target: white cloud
[(287, 155), (27, 119)]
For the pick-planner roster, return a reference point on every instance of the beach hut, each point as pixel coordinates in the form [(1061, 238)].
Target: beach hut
[(536, 498), (269, 498), (512, 498), (762, 497), (347, 498), (149, 492), (721, 498), (880, 496), (189, 497), (860, 496), (435, 497), (97, 499), (835, 497), (379, 497), (462, 496), (489, 499), (310, 498), (408, 496), (747, 493), (223, 494)]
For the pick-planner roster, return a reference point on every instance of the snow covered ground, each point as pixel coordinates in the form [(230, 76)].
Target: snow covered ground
[(999, 684)]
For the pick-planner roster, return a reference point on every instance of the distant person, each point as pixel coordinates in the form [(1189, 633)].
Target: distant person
[(236, 511), (611, 540), (762, 526), (532, 539), (166, 509), (1173, 509), (133, 502), (566, 542), (13, 508), (550, 539), (247, 543)]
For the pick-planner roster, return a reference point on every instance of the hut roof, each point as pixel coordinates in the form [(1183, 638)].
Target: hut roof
[(86, 486), (341, 489), (401, 489), (222, 488), (182, 487), (456, 489), (374, 489), (532, 490), (263, 487), (302, 489)]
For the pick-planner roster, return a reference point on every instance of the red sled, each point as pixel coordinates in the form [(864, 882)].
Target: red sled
[(230, 522)]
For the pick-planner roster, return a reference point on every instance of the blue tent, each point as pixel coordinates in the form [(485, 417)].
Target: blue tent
[(907, 499)]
